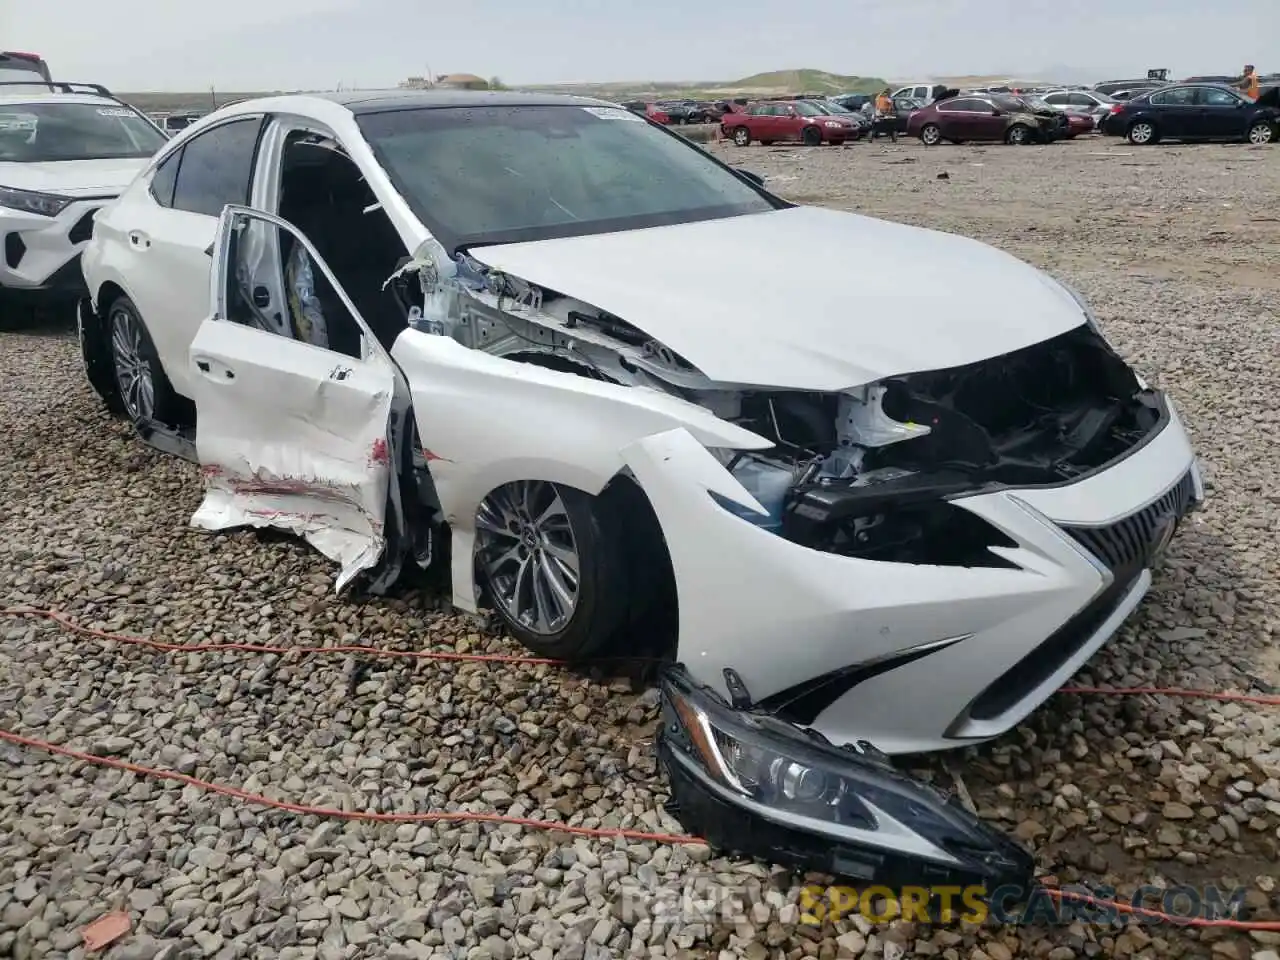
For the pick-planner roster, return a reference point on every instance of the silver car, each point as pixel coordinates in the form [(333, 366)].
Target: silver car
[(1087, 102)]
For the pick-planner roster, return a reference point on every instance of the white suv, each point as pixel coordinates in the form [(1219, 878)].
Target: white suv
[(65, 150)]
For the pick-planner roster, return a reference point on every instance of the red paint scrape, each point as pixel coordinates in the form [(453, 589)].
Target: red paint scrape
[(379, 455)]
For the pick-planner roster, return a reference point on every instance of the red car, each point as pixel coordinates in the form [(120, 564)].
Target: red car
[(1079, 123), (657, 114), (776, 120)]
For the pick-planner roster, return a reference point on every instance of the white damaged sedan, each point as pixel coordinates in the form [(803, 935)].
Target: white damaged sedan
[(604, 377)]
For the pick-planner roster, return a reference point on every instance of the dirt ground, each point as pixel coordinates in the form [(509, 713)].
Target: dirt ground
[(1175, 247)]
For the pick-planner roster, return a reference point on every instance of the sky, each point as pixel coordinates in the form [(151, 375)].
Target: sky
[(253, 45)]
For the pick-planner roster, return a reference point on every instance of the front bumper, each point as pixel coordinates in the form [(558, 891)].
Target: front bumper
[(42, 254), (913, 657)]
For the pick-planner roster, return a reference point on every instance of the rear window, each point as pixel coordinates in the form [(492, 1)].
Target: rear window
[(49, 132), (15, 69)]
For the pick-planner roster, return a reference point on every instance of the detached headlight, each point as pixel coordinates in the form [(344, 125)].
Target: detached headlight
[(29, 201), (749, 782)]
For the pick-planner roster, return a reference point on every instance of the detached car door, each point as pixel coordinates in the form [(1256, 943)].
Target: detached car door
[(292, 434)]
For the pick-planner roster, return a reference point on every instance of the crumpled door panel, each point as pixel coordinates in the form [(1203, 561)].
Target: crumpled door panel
[(293, 437)]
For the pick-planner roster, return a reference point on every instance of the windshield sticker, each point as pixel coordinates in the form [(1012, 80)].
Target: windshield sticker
[(612, 113), (114, 112)]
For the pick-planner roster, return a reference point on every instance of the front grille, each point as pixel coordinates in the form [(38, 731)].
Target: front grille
[(1130, 541), (83, 229)]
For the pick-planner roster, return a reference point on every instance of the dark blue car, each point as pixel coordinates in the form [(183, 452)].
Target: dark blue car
[(1196, 111)]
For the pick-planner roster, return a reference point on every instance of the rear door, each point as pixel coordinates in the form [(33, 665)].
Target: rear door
[(291, 435), (167, 237)]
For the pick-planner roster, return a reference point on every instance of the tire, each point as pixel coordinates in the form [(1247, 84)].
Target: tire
[(95, 357), (1261, 132), (931, 135), (741, 136), (1142, 133), (811, 137), (1018, 135), (143, 388), (530, 527)]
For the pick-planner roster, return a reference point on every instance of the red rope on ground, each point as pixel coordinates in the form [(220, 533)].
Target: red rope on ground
[(256, 799)]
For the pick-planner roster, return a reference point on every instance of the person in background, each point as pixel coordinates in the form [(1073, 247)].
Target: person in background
[(1248, 83), (886, 117)]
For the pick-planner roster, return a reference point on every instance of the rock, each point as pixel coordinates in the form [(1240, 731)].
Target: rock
[(1177, 811)]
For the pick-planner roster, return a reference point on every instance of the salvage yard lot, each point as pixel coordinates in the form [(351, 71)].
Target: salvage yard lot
[(1175, 247)]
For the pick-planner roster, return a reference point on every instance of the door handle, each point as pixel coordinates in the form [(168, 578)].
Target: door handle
[(139, 240), (214, 371)]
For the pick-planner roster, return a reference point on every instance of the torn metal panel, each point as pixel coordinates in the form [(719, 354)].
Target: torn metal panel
[(485, 421), (290, 440)]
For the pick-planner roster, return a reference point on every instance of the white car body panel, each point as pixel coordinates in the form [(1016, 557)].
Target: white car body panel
[(532, 424), (810, 334), (830, 612)]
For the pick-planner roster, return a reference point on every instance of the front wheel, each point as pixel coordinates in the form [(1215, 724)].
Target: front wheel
[(811, 137), (1262, 132), (1141, 133), (741, 136), (931, 135), (551, 560), (1018, 134)]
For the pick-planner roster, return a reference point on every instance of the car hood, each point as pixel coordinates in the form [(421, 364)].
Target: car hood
[(805, 297), (74, 178)]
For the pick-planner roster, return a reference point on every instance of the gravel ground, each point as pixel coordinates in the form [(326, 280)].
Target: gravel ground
[(1176, 248)]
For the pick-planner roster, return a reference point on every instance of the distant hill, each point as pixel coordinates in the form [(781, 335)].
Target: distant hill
[(807, 81)]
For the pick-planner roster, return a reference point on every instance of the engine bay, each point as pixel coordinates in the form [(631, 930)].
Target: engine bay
[(865, 472)]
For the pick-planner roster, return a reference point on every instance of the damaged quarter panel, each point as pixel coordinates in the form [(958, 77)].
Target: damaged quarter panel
[(485, 421), (314, 461)]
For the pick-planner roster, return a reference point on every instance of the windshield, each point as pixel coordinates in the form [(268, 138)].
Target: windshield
[(47, 132), (807, 108), (831, 109), (1011, 104), (477, 175)]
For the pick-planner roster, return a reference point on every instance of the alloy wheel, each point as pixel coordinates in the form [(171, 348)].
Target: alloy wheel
[(1018, 135), (529, 554), (930, 135), (1261, 133), (133, 372), (1141, 133), (741, 136)]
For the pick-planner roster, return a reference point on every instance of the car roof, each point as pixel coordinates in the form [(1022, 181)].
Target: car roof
[(44, 95)]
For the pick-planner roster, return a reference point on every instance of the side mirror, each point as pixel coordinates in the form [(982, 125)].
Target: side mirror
[(753, 177), (995, 112)]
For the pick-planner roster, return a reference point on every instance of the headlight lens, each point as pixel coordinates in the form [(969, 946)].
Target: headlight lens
[(853, 797), (29, 201)]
